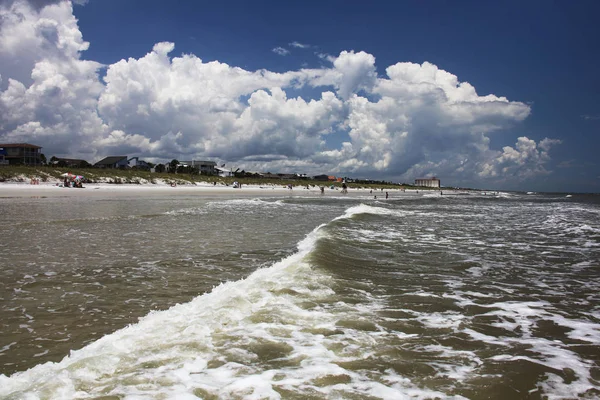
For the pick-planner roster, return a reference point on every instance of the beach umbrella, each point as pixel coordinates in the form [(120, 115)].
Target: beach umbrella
[(66, 175)]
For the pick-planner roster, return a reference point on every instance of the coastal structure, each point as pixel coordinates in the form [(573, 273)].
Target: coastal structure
[(113, 162), (68, 162), (136, 163), (20, 154), (204, 167), (224, 173), (428, 182)]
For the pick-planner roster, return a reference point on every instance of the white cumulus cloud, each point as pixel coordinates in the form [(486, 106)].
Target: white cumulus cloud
[(417, 120)]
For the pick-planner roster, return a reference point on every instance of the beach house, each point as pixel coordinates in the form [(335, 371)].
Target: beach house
[(3, 160), (203, 167), (222, 172), (68, 162), (20, 154), (113, 162), (428, 182), (136, 163)]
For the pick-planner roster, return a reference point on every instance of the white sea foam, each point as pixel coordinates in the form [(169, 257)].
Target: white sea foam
[(233, 204), (524, 317), (8, 346), (218, 344), (441, 320), (212, 345), (367, 209)]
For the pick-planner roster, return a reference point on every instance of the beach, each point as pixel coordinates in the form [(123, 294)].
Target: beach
[(152, 291), (103, 189), (55, 189)]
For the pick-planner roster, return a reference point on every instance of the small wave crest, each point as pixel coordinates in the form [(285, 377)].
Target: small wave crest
[(367, 209), (237, 204)]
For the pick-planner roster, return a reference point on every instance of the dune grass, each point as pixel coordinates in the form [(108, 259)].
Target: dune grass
[(20, 173)]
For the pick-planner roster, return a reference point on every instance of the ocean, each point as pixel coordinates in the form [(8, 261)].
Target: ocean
[(473, 295)]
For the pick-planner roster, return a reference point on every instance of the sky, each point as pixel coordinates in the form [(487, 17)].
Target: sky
[(492, 95)]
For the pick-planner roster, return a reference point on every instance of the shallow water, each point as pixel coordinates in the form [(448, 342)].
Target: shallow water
[(479, 297)]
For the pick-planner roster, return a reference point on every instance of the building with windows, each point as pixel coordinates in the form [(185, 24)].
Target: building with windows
[(428, 182), (3, 160), (224, 173), (113, 162), (69, 162), (136, 163), (20, 154), (203, 167)]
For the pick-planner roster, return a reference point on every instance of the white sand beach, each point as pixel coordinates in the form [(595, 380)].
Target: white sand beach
[(53, 189)]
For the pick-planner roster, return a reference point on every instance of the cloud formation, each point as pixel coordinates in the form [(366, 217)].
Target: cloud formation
[(299, 45), (589, 117), (415, 121), (281, 51)]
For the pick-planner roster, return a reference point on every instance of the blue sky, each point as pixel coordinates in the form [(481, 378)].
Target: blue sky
[(537, 60)]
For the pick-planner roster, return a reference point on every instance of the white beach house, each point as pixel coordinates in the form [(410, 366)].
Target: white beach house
[(428, 182)]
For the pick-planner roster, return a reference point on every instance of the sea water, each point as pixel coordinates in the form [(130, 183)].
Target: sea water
[(477, 296)]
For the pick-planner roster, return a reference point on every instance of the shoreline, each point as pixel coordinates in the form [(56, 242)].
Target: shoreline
[(24, 190)]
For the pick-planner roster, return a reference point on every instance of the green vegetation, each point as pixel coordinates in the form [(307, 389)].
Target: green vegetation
[(21, 173)]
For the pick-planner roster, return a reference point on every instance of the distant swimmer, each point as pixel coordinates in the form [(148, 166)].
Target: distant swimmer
[(386, 195)]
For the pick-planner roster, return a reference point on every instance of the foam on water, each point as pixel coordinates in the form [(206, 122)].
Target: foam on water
[(367, 209), (253, 338), (432, 300), (250, 204)]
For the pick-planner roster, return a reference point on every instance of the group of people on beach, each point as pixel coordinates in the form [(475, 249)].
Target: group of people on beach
[(77, 183)]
